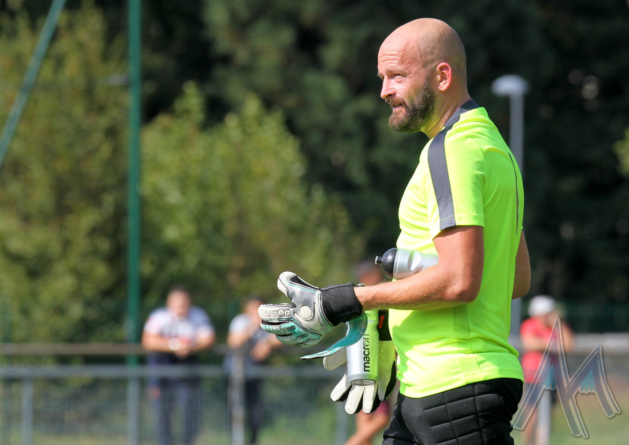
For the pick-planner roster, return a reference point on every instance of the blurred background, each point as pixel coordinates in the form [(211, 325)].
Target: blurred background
[(264, 148)]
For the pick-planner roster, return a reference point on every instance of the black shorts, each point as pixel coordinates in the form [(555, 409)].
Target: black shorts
[(476, 414)]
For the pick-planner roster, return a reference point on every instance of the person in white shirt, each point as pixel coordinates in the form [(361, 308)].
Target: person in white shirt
[(174, 335)]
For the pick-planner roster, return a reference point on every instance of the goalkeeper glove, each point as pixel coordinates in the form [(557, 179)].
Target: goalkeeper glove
[(312, 313), (367, 394)]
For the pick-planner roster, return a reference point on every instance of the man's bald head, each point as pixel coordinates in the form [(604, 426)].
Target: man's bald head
[(429, 42), (422, 67)]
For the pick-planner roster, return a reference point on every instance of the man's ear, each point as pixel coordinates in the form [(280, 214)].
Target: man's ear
[(444, 72)]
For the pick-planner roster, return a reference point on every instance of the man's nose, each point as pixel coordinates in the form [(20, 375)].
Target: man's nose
[(386, 90)]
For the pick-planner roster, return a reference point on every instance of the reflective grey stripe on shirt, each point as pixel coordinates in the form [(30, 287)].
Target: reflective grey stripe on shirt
[(439, 169)]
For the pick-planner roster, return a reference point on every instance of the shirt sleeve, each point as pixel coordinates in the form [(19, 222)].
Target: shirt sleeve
[(239, 323), (155, 323), (528, 328), (203, 324), (457, 174)]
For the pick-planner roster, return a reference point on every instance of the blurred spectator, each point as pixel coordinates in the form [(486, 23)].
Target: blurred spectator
[(175, 334), (535, 333), (247, 338), (368, 425)]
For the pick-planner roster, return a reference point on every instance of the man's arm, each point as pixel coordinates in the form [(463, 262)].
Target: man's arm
[(522, 282), (368, 428), (237, 338), (159, 343), (455, 280), (155, 342), (202, 342)]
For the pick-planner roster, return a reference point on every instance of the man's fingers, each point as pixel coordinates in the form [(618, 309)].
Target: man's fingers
[(369, 397), (288, 340), (341, 390), (354, 400), (287, 328), (335, 360), (275, 313), (281, 285)]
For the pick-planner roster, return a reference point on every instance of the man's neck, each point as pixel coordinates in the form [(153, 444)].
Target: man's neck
[(443, 113)]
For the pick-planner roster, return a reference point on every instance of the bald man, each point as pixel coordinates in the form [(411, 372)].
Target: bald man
[(460, 379)]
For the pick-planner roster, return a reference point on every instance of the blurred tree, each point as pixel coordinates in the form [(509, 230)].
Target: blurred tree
[(576, 196), (175, 45), (62, 185), (622, 217), (227, 209), (317, 60)]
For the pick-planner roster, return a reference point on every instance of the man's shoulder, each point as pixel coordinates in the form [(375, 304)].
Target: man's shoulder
[(239, 322), (240, 318), (473, 127), (157, 319), (196, 313), (160, 312), (529, 324)]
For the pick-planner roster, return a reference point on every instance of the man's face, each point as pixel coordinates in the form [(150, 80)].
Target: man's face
[(178, 303), (373, 277), (406, 88), (251, 309)]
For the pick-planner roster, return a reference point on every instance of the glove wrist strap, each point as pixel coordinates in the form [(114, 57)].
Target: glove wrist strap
[(383, 325), (340, 303)]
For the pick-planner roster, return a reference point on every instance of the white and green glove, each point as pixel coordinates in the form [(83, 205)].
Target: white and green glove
[(312, 313), (367, 397)]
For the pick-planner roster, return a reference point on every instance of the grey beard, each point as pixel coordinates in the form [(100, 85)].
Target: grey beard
[(417, 114)]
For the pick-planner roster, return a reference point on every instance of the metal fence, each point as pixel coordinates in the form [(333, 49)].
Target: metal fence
[(110, 405)]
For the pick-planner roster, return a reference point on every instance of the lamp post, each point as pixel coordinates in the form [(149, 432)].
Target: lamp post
[(514, 87)]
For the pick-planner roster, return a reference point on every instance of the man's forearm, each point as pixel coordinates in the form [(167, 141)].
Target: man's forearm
[(430, 289), (455, 280), (156, 343), (369, 429), (203, 343)]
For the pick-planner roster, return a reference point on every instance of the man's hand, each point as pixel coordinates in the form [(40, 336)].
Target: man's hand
[(261, 350), (312, 313), (185, 348), (369, 397)]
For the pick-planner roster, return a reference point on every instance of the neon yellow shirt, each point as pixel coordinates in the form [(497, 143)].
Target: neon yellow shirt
[(467, 176)]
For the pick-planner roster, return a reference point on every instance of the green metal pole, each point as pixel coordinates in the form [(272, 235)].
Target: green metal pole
[(135, 106), (30, 77), (133, 310)]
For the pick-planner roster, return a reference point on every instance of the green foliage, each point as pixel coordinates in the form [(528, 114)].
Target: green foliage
[(317, 60), (62, 184), (227, 209), (622, 150)]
